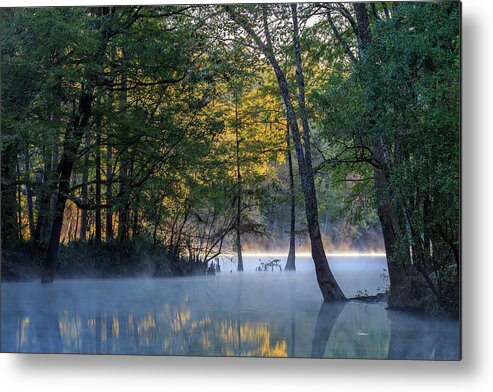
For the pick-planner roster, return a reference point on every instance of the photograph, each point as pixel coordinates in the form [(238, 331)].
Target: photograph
[(275, 180)]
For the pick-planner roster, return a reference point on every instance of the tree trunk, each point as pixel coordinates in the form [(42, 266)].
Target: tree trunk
[(123, 213), (97, 223), (52, 184), (400, 288), (238, 185), (73, 137), (20, 235), (29, 194), (42, 221), (76, 228), (84, 193), (74, 134), (8, 206), (45, 190), (363, 23), (156, 225), (44, 193), (390, 229), (291, 261), (109, 177), (328, 286), (135, 223)]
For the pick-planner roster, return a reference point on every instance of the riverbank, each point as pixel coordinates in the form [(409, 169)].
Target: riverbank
[(86, 260)]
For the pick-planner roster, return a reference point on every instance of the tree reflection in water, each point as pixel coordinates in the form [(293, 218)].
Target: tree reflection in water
[(272, 315), (369, 330)]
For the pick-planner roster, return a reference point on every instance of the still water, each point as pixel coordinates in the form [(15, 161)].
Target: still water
[(267, 313)]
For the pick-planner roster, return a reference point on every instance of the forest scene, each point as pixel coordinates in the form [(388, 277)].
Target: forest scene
[(277, 180)]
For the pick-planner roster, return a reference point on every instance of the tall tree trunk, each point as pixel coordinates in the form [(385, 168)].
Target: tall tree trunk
[(156, 225), (76, 228), (97, 223), (43, 207), (84, 193), (135, 223), (18, 187), (73, 137), (291, 261), (45, 190), (45, 194), (52, 184), (391, 230), (400, 295), (123, 213), (238, 185), (328, 285), (74, 134), (363, 34), (109, 176), (8, 206), (29, 193)]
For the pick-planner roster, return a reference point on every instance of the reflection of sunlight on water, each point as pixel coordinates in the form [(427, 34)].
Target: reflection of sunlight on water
[(23, 330), (172, 330)]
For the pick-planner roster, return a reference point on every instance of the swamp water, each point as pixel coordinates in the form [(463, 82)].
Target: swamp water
[(267, 314)]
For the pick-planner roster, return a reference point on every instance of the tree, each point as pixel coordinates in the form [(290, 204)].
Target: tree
[(386, 94), (291, 260), (328, 285)]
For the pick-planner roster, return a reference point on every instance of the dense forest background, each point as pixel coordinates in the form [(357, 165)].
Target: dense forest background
[(153, 139)]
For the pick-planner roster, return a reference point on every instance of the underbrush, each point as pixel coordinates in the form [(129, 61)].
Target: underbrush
[(133, 258)]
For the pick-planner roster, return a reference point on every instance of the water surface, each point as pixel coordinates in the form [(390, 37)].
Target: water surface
[(268, 313)]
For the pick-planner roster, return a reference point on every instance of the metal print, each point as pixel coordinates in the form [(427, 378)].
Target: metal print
[(270, 180)]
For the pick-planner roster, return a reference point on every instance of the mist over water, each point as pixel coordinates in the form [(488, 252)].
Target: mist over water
[(267, 313)]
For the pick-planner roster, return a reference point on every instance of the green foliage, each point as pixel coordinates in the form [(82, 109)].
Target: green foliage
[(402, 101)]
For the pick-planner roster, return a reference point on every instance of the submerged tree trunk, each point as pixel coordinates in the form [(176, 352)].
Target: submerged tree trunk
[(291, 260)]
